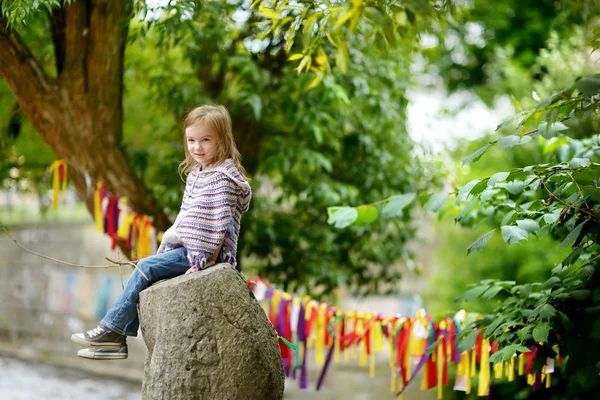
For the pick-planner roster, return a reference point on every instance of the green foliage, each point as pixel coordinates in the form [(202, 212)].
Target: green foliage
[(557, 198), (489, 46), (20, 11), (25, 158), (316, 24)]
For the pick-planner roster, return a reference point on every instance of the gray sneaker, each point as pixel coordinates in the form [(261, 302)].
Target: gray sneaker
[(104, 353), (99, 337)]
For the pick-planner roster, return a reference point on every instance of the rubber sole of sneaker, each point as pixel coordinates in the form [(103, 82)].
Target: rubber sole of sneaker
[(82, 342), (99, 354)]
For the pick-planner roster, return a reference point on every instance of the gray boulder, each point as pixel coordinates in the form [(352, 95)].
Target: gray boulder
[(208, 338)]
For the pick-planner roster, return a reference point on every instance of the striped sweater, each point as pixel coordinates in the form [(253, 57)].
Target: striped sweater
[(211, 210)]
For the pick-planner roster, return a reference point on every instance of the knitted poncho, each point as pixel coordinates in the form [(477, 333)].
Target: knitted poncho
[(211, 210)]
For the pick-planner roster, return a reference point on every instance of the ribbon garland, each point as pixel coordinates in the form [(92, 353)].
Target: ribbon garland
[(114, 217), (415, 344)]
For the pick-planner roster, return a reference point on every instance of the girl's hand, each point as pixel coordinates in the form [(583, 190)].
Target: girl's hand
[(192, 269)]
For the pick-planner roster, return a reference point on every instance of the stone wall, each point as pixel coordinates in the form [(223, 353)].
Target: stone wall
[(42, 302)]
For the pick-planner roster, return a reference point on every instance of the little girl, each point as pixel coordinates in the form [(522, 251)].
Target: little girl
[(205, 232)]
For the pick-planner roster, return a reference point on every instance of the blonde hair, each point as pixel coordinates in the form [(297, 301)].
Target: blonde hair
[(218, 119)]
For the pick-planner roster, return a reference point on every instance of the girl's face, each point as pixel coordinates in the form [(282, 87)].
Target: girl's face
[(201, 144)]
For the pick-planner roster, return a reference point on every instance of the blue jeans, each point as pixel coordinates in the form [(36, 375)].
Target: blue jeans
[(123, 315)]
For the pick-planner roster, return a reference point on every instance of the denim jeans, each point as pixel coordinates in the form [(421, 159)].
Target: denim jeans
[(123, 315)]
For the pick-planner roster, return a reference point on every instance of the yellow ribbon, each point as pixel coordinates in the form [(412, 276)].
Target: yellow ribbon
[(338, 339), (320, 334), (98, 217), (56, 183), (484, 369)]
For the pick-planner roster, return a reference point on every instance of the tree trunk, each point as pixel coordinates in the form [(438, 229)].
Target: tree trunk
[(79, 113)]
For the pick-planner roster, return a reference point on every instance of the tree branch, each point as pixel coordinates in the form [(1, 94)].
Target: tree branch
[(24, 75), (214, 84), (58, 25), (108, 28)]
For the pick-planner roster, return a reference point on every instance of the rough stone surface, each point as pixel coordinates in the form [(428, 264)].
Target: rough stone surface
[(208, 338)]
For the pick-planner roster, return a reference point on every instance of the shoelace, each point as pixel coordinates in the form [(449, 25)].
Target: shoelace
[(95, 332)]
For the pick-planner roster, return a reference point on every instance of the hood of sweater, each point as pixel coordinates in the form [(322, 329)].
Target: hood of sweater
[(228, 168)]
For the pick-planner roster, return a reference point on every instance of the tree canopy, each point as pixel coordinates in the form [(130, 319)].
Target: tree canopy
[(107, 85)]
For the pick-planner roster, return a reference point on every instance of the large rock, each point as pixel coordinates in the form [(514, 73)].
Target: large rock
[(208, 338)]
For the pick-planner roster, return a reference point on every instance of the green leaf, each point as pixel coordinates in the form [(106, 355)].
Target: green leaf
[(506, 122), (488, 194), (579, 162), (436, 201), (506, 353), (551, 218), (431, 348), (491, 292), (341, 217), (475, 156), (506, 284), (468, 342), (341, 57), (573, 235), (507, 217), (547, 311), (497, 177), (555, 128), (464, 191), (529, 314), (571, 258), (366, 214), (580, 294), (477, 189), (515, 187), (550, 282), (592, 310), (529, 225), (497, 356), (473, 293), (397, 203), (540, 332), (524, 332), (516, 103), (465, 210), (481, 242), (564, 320), (513, 234), (588, 85), (513, 140), (492, 327), (592, 191)]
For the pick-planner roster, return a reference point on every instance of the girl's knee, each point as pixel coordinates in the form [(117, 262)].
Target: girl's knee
[(144, 267)]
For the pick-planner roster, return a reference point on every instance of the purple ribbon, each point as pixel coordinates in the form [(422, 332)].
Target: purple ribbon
[(326, 366), (302, 339), (538, 381), (414, 374)]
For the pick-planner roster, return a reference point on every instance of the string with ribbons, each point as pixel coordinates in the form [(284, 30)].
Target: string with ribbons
[(414, 344), (113, 216)]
